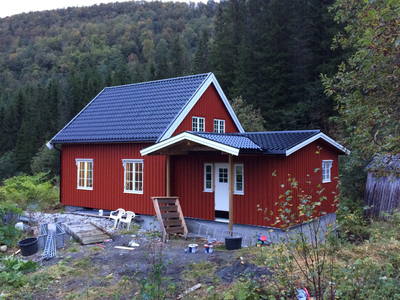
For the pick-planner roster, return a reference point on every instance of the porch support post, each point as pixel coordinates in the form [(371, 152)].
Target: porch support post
[(167, 177), (230, 193)]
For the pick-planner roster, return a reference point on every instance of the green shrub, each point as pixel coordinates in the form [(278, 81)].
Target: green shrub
[(12, 271), (8, 233), (24, 190)]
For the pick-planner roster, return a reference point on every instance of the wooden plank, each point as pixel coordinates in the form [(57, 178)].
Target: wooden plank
[(124, 248), (172, 222), (102, 229), (159, 218), (168, 176), (88, 215), (175, 230), (166, 201), (168, 208), (174, 215), (230, 193), (182, 218)]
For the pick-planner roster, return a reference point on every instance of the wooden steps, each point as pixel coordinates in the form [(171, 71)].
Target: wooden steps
[(170, 216)]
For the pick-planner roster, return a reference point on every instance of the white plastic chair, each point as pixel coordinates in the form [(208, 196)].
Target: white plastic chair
[(129, 215), (116, 215)]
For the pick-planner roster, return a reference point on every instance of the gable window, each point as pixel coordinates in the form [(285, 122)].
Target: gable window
[(197, 124), (326, 170), (85, 174), (239, 180), (219, 126), (208, 177), (133, 176)]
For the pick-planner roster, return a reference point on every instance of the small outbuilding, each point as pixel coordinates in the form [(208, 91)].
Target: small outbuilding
[(382, 193)]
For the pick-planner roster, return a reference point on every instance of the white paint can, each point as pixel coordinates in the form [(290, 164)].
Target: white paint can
[(193, 248), (100, 212)]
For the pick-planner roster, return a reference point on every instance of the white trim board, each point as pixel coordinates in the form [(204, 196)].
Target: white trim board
[(191, 103), (312, 139), (193, 138)]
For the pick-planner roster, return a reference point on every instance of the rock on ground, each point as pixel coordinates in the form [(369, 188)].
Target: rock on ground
[(242, 269)]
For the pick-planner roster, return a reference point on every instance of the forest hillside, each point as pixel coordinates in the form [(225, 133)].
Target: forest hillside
[(52, 63)]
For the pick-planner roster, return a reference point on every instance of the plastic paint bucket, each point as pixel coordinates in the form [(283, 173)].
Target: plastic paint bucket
[(100, 212), (193, 248), (208, 248), (28, 246)]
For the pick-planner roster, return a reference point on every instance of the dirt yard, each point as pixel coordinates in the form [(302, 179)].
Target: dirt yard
[(104, 272)]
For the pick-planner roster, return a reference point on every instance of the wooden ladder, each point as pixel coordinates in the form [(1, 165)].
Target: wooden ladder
[(170, 216)]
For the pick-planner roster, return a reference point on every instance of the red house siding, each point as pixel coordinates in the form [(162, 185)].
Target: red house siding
[(260, 187), (108, 177), (209, 107)]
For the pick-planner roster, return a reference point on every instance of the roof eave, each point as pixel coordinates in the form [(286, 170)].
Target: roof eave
[(314, 138), (193, 138)]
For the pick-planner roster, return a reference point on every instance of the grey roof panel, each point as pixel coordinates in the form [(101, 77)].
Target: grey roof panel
[(280, 141), (270, 142), (233, 140), (132, 112)]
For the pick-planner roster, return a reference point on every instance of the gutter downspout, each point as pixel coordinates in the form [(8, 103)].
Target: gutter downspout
[(59, 149)]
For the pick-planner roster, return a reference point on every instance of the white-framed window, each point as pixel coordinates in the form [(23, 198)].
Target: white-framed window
[(326, 170), (197, 124), (133, 176), (85, 173), (208, 177), (219, 126), (239, 179)]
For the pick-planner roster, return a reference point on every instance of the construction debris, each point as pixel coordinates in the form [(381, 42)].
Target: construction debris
[(50, 249), (86, 233), (193, 288), (124, 248)]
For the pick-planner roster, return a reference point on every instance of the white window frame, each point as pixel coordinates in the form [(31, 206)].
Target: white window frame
[(134, 162), (198, 124), (236, 191), (86, 170), (208, 190), (219, 126), (326, 171)]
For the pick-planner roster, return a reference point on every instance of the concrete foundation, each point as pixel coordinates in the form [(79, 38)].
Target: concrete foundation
[(218, 230)]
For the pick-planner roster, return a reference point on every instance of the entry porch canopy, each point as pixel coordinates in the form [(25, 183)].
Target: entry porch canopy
[(234, 144)]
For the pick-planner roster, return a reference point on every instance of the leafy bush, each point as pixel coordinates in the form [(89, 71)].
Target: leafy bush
[(12, 271), (24, 190), (8, 233)]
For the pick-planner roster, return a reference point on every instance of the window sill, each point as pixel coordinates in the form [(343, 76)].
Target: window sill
[(208, 191), (326, 181), (85, 189), (238, 193), (133, 192)]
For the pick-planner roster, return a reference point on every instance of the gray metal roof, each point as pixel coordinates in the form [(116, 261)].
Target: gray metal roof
[(134, 112), (280, 141), (229, 139), (270, 142)]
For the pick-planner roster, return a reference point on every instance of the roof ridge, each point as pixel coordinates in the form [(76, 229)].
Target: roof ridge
[(283, 131), (157, 81)]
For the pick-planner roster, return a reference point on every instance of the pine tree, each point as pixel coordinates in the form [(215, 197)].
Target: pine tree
[(161, 60), (201, 60)]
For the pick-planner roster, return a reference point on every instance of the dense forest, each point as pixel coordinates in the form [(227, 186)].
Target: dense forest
[(52, 63)]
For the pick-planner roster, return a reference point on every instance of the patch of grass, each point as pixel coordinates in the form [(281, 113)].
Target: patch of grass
[(73, 249), (96, 248), (82, 263)]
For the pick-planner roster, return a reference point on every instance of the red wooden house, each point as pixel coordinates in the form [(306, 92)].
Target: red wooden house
[(181, 137)]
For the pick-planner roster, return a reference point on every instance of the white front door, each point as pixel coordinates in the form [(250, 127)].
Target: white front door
[(221, 187)]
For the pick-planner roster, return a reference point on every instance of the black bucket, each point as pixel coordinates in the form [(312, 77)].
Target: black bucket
[(233, 243), (28, 246)]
